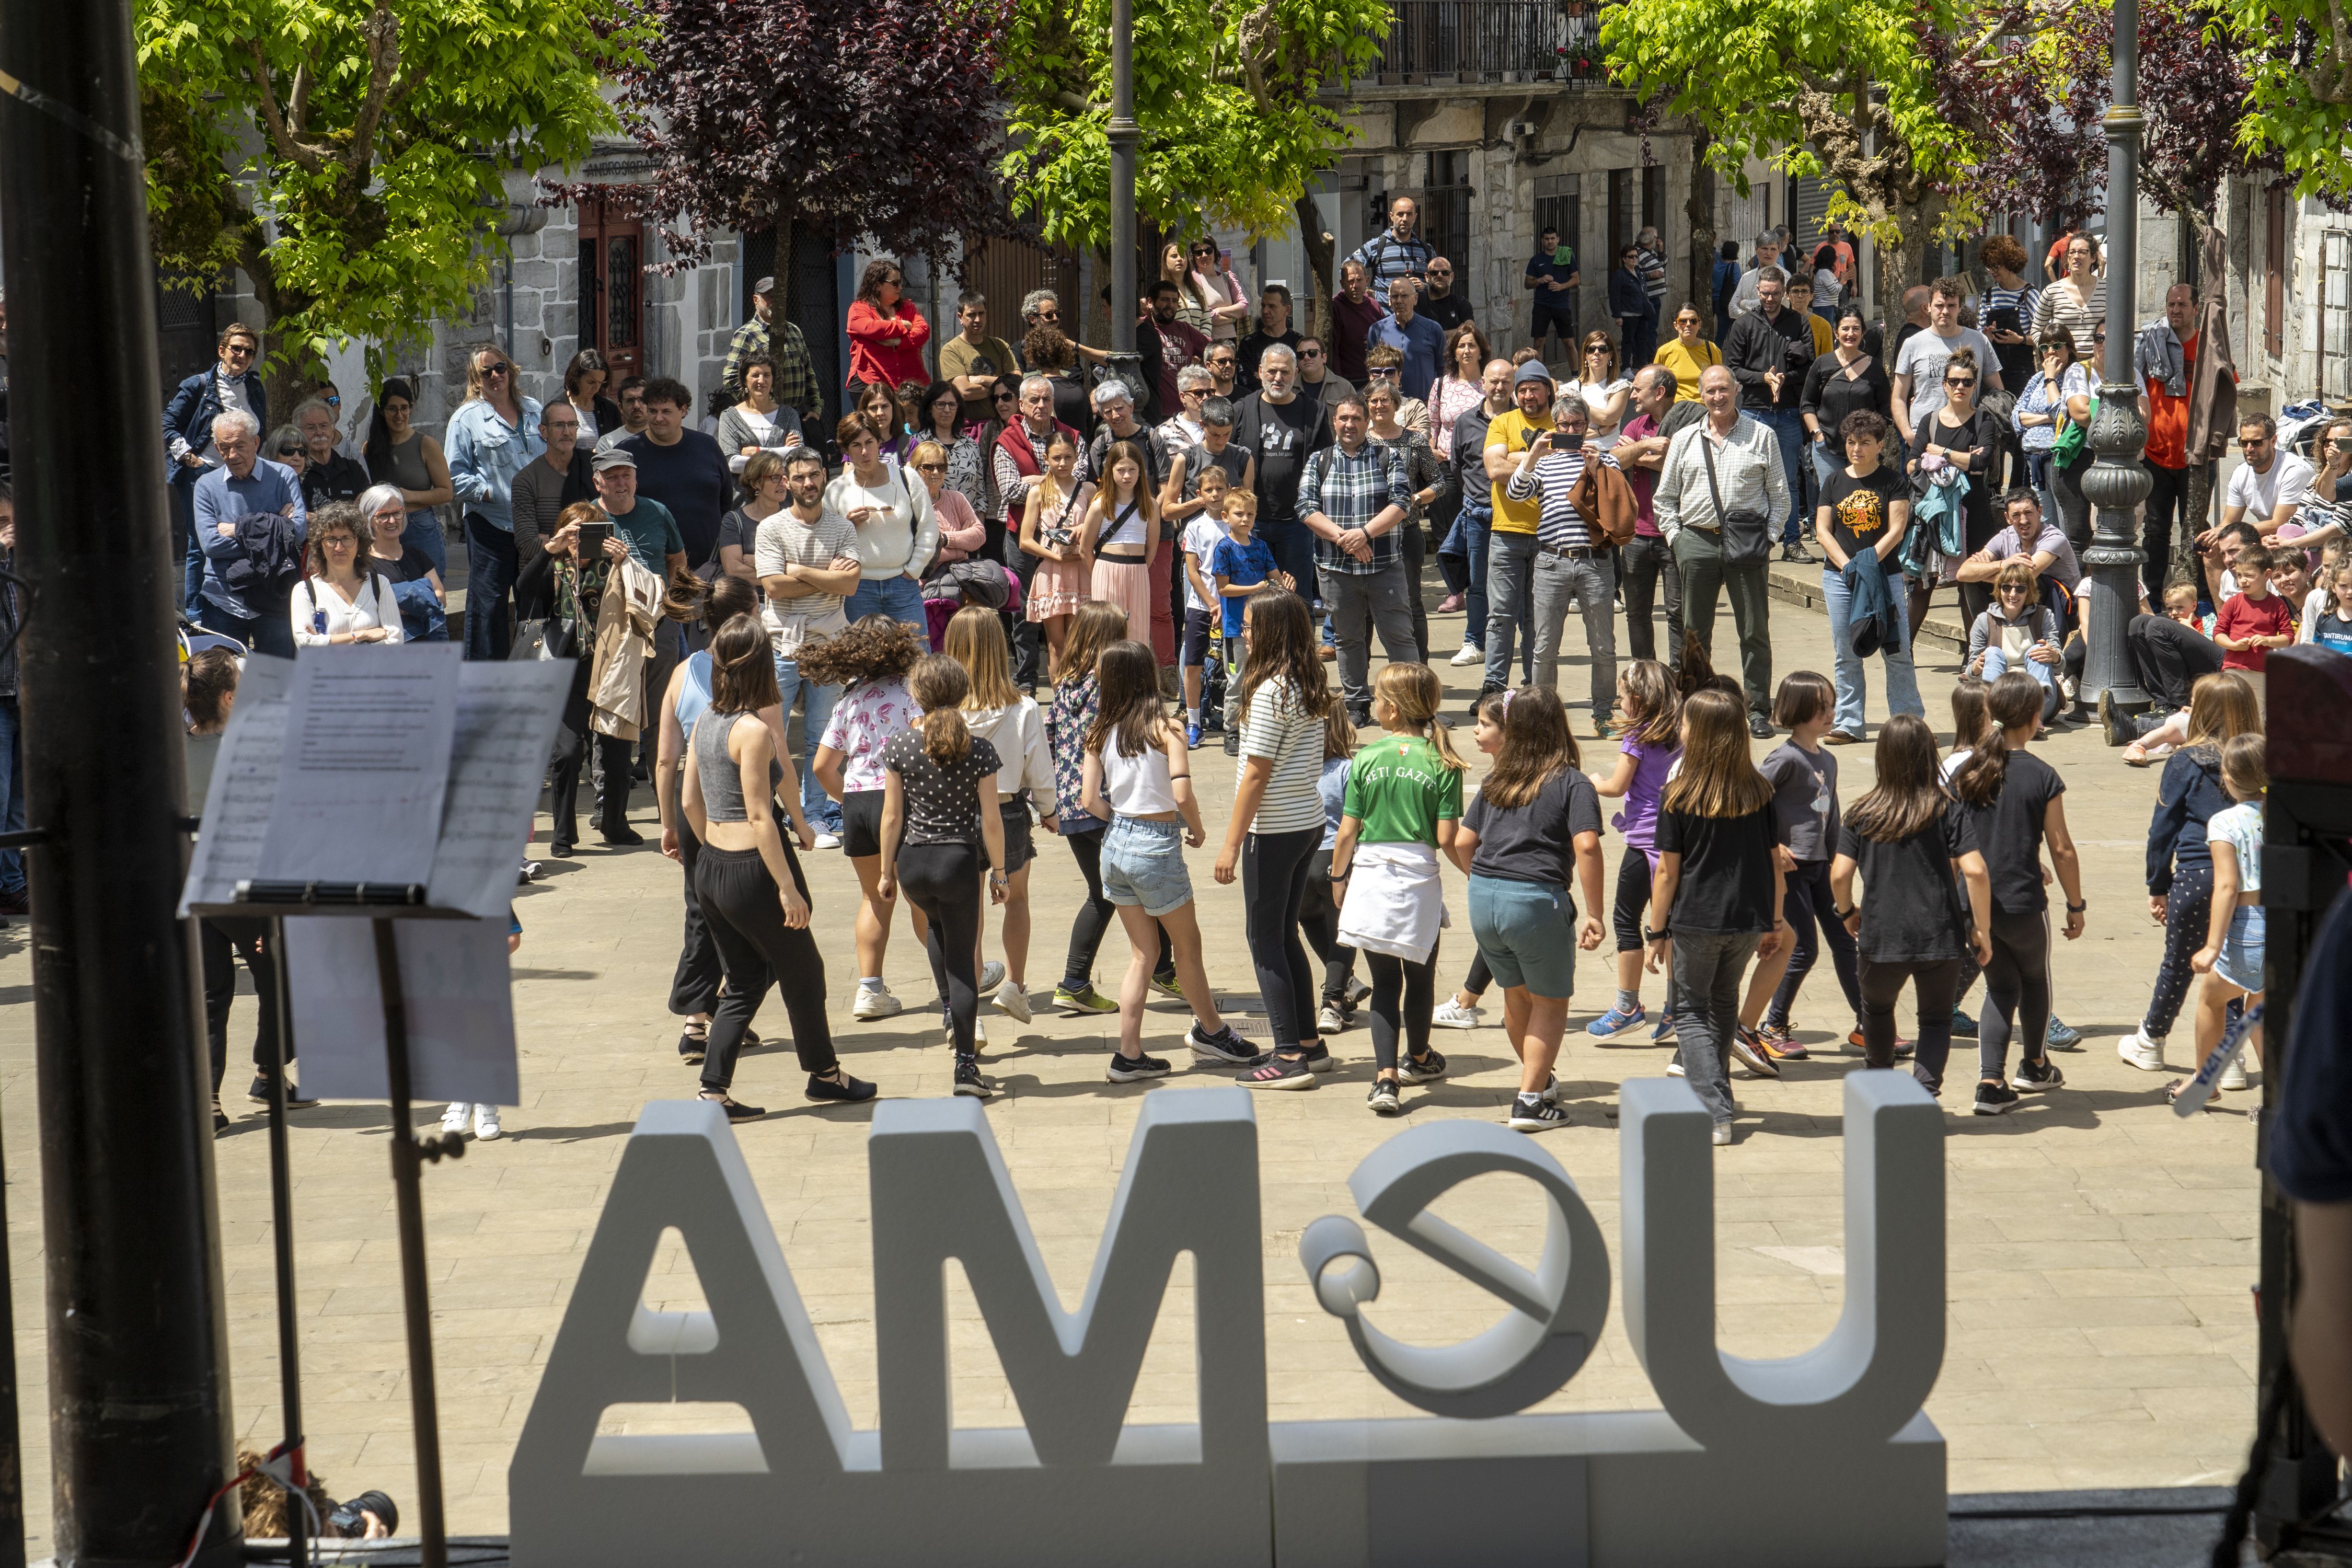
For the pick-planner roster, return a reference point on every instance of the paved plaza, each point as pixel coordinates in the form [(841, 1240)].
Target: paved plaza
[(2102, 1252)]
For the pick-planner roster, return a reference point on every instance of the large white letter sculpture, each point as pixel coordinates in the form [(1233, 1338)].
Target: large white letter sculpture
[(1476, 1485)]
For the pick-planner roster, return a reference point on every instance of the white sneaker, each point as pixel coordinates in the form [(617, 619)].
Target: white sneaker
[(1469, 654), (1674, 1068), (2234, 1075), (1329, 1022), (1012, 1001), (485, 1122), (992, 975), (2066, 687), (827, 839), (2137, 1050), (875, 1003), (1450, 1015), (1721, 1136), (454, 1120)]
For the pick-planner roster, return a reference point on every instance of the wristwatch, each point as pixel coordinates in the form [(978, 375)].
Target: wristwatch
[(2078, 908), (1665, 935), (1846, 914)]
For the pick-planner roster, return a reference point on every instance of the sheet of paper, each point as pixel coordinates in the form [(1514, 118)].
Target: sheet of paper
[(365, 764), (243, 794), (454, 978), (507, 716)]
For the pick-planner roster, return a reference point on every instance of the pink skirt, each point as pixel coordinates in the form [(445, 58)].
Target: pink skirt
[(1128, 586), (1059, 589)]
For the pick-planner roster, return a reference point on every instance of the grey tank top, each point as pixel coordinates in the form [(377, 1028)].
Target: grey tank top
[(407, 468), (723, 781)]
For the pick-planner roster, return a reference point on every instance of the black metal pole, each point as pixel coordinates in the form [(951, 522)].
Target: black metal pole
[(281, 1226), (139, 1423), (407, 1162)]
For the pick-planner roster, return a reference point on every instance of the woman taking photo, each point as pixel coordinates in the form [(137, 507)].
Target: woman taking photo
[(1605, 392), (1053, 531), (399, 454), (747, 878), (1121, 533), (1841, 381), (1277, 817), (1211, 298), (2077, 304), (1966, 438), (1688, 351), (343, 599), (758, 422), (2057, 397), (896, 532), (886, 333), (585, 380), (573, 591), (1916, 846)]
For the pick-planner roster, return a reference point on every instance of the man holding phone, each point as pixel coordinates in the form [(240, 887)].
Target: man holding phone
[(645, 525)]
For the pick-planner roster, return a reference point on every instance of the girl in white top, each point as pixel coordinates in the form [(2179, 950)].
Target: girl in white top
[(1122, 531), (1606, 394), (2231, 959), (335, 605), (1138, 778), (995, 711)]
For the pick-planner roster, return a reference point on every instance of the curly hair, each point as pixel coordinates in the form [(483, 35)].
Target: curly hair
[(1047, 350), (877, 647)]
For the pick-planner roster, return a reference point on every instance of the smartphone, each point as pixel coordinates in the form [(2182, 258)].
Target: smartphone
[(592, 536)]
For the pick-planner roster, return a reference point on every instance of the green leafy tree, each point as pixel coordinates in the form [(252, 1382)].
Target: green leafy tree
[(349, 157), (1844, 88), (1228, 97), (2298, 56)]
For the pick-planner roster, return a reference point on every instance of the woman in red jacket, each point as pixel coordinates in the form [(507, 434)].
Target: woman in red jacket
[(886, 333)]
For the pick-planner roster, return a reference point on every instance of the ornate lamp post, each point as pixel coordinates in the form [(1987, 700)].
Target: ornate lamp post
[(2116, 484), (1123, 134)]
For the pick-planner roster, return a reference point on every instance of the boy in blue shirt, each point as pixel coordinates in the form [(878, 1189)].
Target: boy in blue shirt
[(1241, 565)]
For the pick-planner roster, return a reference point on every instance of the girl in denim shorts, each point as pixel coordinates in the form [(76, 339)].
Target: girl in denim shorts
[(2231, 959), (1138, 778)]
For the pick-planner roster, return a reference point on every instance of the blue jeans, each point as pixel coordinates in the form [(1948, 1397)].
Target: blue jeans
[(1788, 427), (1510, 606), (424, 532), (1995, 665), (270, 633), (824, 813), (490, 588), (1292, 548), (1853, 686), (1466, 543), (12, 796), (183, 540), (899, 597)]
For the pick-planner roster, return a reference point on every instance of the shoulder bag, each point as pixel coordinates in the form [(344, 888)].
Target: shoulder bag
[(1747, 535)]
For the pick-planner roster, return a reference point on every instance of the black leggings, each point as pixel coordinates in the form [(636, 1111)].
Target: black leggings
[(1809, 905), (2187, 909), (1934, 984), (694, 987), (1632, 898), (943, 880), (1319, 918), (740, 901), (1094, 916), (1275, 869), (1480, 976), (1416, 985), (221, 945), (2017, 983)]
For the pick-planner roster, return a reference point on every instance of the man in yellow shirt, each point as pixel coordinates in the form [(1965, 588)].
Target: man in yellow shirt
[(1511, 545)]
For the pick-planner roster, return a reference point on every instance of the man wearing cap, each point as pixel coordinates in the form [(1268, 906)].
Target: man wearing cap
[(1511, 538), (641, 523), (781, 342), (1114, 421), (975, 361)]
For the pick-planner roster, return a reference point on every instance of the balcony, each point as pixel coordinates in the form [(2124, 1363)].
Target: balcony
[(1444, 43)]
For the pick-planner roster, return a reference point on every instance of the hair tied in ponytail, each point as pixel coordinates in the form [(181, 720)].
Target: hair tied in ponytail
[(939, 685)]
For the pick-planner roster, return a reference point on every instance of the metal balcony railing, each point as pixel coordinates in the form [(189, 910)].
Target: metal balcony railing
[(1446, 41)]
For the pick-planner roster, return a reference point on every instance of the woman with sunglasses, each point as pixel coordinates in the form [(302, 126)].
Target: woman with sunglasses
[(2056, 396), (1967, 438), (492, 436), (886, 332), (942, 423), (1687, 353), (1605, 392), (1212, 299), (963, 536)]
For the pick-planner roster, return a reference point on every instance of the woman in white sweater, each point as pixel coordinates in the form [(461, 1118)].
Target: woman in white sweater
[(995, 711), (897, 532), (342, 599)]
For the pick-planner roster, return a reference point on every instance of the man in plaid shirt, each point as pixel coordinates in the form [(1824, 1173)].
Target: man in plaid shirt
[(1571, 565), (781, 342), (1352, 497)]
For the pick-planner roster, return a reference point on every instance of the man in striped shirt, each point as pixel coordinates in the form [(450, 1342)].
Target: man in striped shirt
[(1352, 497), (1571, 565)]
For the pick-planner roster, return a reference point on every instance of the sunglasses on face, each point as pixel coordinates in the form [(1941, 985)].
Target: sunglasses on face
[(238, 351), (1008, 397), (490, 370), (1224, 363), (930, 468), (1959, 381), (289, 451), (1310, 353)]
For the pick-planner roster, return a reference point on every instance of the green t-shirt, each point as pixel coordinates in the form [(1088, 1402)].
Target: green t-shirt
[(1400, 789), (650, 531)]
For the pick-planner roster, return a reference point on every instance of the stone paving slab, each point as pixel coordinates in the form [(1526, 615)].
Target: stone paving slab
[(2101, 1253)]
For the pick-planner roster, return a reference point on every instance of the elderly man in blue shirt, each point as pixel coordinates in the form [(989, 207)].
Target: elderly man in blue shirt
[(1417, 337), (242, 484)]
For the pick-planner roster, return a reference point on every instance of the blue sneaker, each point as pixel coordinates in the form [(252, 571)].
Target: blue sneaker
[(1665, 1030), (1964, 1024), (1192, 736), (2063, 1036), (1615, 1021)]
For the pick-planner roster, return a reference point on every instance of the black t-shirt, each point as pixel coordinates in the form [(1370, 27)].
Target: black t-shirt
[(689, 477), (1534, 842), (1859, 509), (2009, 832), (942, 802), (1283, 435), (1448, 312), (1726, 869), (413, 565), (1251, 347), (1910, 905), (337, 478)]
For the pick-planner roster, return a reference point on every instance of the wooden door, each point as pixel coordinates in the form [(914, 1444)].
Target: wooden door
[(612, 288)]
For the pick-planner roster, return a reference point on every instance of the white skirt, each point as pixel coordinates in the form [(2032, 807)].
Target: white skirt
[(1395, 903)]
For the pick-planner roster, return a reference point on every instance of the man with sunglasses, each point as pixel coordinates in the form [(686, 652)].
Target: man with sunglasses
[(975, 361), (1314, 376), (233, 385), (1439, 302), (2272, 484), (1043, 308)]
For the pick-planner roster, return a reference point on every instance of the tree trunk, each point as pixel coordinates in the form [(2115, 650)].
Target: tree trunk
[(1314, 315), (1901, 264), (287, 377), (1700, 209)]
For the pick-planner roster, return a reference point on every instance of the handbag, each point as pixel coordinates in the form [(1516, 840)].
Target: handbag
[(1747, 535), (2067, 448)]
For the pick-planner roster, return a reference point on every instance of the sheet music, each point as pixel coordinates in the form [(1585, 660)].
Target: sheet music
[(364, 764), (243, 794), (507, 716), (460, 1008)]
